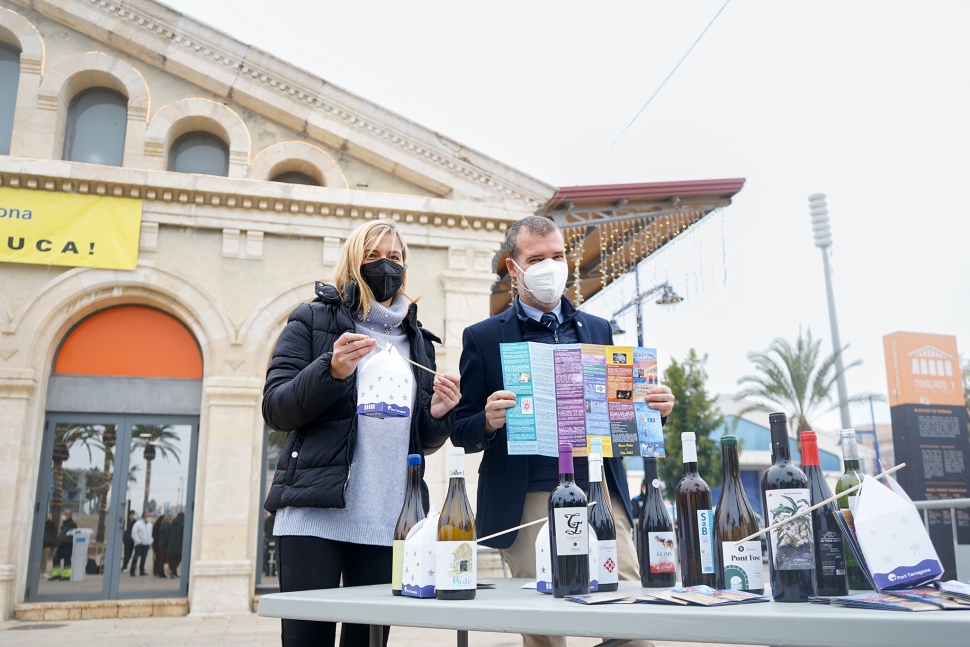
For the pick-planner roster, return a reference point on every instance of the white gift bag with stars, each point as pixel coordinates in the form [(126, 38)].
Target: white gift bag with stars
[(384, 385)]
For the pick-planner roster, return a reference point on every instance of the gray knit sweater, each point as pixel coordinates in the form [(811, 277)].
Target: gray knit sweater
[(378, 474)]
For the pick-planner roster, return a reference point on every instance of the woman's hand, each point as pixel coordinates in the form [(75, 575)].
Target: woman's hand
[(447, 393), (348, 350), (662, 399)]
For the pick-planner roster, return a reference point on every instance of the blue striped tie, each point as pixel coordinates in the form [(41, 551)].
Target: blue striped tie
[(550, 321)]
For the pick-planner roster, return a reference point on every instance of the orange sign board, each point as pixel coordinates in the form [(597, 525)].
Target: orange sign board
[(923, 369)]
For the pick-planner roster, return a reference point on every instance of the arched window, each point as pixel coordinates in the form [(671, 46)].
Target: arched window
[(295, 177), (9, 80), (96, 121), (199, 152)]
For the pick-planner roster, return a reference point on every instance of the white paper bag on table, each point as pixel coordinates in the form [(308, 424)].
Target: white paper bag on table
[(544, 561), (419, 556), (894, 541)]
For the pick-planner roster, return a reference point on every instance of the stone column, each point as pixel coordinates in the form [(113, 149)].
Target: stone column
[(17, 387), (467, 284), (223, 552)]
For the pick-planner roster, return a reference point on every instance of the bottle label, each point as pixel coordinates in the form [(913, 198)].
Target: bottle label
[(705, 539), (743, 570), (830, 553), (455, 565), (397, 564), (608, 569), (571, 525), (792, 545), (661, 552)]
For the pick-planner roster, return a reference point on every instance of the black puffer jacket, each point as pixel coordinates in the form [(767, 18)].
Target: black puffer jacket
[(320, 411)]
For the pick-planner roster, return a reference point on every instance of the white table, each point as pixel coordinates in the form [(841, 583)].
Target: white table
[(511, 609)]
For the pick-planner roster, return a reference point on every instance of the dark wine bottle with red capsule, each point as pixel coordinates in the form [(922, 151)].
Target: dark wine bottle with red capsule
[(829, 552)]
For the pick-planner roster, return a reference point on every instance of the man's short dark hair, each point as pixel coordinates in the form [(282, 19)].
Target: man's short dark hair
[(535, 225)]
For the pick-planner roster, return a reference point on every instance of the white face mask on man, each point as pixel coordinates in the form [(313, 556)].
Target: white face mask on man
[(546, 280)]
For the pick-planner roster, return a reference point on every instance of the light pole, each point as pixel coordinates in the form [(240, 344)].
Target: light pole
[(823, 240), (667, 297)]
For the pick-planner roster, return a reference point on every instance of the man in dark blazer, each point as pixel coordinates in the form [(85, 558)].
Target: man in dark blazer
[(515, 489)]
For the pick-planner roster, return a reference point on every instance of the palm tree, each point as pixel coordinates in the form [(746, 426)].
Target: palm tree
[(108, 440), (154, 439), (65, 437), (796, 380)]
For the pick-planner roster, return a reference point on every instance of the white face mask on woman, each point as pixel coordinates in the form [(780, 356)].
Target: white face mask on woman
[(546, 280)]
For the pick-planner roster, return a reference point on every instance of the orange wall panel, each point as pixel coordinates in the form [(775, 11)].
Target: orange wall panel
[(130, 341)]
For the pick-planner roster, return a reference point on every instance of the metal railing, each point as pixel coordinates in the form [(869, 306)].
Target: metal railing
[(943, 504)]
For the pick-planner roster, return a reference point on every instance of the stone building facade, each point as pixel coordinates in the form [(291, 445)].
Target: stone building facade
[(226, 256)]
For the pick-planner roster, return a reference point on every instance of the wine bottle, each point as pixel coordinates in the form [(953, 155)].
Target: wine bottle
[(568, 528), (596, 447), (411, 513), (695, 520), (738, 564), (829, 551), (847, 503), (655, 533), (784, 492), (601, 522), (456, 554)]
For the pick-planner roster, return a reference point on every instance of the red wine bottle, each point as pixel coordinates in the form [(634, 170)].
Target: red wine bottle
[(601, 523), (738, 564), (829, 553), (456, 553), (568, 531), (695, 520), (655, 533), (411, 513), (791, 547)]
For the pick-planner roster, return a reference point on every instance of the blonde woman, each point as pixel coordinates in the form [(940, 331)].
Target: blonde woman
[(339, 484)]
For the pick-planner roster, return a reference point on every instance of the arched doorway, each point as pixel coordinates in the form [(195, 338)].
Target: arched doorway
[(120, 441)]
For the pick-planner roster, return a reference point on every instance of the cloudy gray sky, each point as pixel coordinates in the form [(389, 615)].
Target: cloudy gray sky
[(865, 101)]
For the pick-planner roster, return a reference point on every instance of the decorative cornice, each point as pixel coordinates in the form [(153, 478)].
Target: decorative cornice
[(171, 29), (209, 200)]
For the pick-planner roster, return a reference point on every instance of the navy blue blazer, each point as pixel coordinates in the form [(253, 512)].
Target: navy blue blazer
[(502, 479)]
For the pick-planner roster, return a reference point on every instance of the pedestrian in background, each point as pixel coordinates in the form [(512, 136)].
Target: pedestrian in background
[(141, 535)]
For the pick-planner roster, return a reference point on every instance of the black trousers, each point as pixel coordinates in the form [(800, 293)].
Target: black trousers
[(141, 554), (129, 545), (307, 563)]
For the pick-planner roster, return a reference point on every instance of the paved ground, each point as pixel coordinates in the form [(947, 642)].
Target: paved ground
[(212, 631)]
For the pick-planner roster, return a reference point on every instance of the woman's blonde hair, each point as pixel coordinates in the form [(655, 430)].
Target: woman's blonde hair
[(352, 255)]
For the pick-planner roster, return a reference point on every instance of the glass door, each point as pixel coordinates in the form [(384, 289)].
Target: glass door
[(158, 498), (99, 474), (73, 530)]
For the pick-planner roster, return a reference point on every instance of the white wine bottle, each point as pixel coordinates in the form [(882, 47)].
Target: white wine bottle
[(738, 564), (411, 513), (456, 554), (695, 520), (852, 477)]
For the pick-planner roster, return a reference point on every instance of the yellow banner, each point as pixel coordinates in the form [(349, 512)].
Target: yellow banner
[(923, 369), (48, 228)]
